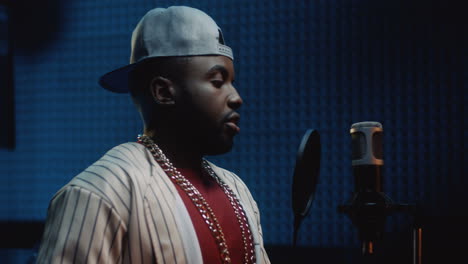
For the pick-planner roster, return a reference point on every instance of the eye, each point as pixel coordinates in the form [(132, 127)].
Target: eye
[(217, 83)]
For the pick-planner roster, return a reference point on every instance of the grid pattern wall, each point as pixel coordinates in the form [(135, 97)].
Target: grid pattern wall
[(299, 65)]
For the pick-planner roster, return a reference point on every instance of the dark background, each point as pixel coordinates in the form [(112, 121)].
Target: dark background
[(299, 65)]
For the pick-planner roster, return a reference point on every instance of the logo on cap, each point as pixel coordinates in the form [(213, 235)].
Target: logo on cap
[(220, 37)]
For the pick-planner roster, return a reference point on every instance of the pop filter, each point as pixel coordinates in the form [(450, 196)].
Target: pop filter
[(305, 177)]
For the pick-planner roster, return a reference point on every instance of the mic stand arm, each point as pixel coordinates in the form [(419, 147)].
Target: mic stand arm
[(368, 212)]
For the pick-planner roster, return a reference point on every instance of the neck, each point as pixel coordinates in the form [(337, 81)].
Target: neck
[(180, 150)]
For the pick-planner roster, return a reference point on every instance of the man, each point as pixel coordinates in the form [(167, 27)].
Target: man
[(158, 200)]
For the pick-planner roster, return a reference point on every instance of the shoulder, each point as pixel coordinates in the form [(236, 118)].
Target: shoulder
[(122, 161), (129, 154), (115, 175), (124, 158)]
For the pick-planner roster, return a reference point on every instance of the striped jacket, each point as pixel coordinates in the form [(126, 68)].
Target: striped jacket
[(125, 209)]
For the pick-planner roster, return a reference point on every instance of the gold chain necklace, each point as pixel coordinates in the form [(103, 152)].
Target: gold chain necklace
[(202, 205)]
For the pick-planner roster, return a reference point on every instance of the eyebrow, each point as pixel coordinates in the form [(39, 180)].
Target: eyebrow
[(218, 68)]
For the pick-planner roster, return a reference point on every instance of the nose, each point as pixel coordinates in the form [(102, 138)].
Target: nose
[(234, 100)]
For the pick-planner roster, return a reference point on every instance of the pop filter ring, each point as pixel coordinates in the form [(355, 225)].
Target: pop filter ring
[(305, 178)]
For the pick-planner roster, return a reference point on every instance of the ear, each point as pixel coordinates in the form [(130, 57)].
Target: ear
[(162, 90)]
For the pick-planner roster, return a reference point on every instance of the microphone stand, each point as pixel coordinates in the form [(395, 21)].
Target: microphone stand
[(369, 205), (368, 211)]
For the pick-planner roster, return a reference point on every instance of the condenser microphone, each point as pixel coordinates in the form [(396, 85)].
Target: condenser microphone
[(367, 156), (369, 203)]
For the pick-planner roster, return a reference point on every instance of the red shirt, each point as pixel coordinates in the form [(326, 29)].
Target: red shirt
[(222, 208)]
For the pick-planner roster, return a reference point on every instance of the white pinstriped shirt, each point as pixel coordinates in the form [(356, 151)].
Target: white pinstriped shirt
[(125, 209)]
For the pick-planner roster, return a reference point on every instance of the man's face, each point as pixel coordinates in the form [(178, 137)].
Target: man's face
[(206, 101)]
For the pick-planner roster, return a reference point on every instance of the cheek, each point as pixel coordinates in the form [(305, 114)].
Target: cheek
[(209, 119), (210, 107), (203, 104)]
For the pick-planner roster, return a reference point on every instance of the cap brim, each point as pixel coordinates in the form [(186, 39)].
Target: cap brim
[(117, 80)]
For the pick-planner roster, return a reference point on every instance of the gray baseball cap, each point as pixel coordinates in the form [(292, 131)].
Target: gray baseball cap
[(168, 32)]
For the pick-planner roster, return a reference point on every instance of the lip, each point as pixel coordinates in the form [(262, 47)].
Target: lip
[(232, 122), (232, 126)]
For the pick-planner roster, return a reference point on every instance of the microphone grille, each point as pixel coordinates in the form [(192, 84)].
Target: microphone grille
[(366, 124), (367, 141)]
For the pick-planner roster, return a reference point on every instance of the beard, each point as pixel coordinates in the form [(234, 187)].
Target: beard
[(214, 141), (218, 146)]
